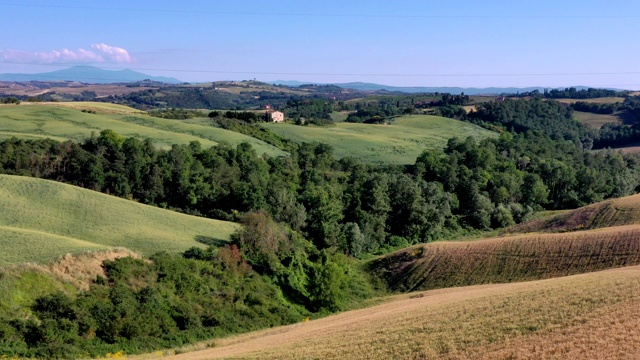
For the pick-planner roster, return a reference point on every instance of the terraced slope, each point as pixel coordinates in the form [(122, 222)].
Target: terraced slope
[(509, 259), (615, 212), (66, 121), (398, 143), (588, 316), (41, 220)]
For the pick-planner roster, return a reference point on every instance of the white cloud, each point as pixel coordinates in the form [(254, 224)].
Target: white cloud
[(101, 53), (113, 53)]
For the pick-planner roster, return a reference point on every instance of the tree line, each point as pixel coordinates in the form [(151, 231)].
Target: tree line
[(467, 186)]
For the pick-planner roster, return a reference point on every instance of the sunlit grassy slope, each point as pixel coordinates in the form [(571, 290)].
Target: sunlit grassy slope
[(588, 316), (41, 220), (399, 143), (67, 121)]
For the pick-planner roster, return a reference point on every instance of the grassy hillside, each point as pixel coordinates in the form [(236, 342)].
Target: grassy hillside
[(67, 121), (508, 259), (615, 212), (400, 142), (41, 220), (590, 316)]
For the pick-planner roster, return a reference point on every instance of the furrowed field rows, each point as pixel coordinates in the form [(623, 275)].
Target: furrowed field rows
[(615, 212), (509, 259)]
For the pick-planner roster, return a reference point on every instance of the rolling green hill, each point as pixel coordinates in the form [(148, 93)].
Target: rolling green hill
[(41, 220), (67, 121), (398, 143)]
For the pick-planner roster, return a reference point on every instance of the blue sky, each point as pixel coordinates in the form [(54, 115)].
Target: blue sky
[(406, 43)]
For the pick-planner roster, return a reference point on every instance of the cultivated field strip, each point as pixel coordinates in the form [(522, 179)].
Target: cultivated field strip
[(509, 259), (615, 212), (488, 321)]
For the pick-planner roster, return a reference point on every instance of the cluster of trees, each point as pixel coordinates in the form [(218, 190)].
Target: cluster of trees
[(370, 115), (549, 117), (193, 98), (210, 97), (449, 99), (246, 116), (174, 300), (595, 107), (556, 120), (10, 100), (573, 93), (311, 110), (177, 114)]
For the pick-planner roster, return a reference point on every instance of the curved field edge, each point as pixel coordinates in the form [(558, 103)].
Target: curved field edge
[(614, 212), (508, 259), (38, 246), (59, 218), (400, 142), (464, 323)]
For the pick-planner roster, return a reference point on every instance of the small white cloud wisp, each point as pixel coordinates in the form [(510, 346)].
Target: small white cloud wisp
[(100, 53), (113, 53)]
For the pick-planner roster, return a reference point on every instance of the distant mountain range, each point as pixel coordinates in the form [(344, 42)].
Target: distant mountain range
[(421, 89), (89, 74), (94, 75)]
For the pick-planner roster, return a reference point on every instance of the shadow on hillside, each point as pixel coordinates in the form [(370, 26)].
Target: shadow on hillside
[(626, 118), (211, 241)]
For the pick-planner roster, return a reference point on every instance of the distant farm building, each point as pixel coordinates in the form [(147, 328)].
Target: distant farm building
[(276, 116)]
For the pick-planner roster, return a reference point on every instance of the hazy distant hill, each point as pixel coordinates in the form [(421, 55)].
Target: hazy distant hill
[(423, 89), (88, 74)]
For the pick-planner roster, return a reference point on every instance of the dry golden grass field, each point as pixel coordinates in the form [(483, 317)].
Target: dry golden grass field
[(588, 316)]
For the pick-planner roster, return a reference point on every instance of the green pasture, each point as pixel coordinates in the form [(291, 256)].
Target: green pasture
[(41, 220), (398, 143), (58, 122)]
